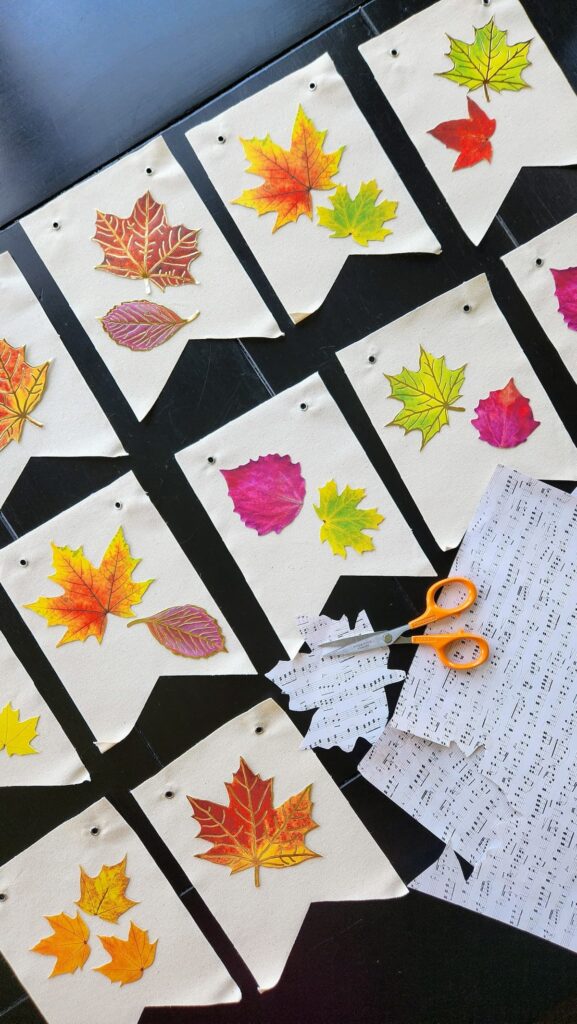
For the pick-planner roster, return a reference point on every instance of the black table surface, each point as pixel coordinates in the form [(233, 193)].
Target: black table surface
[(76, 92)]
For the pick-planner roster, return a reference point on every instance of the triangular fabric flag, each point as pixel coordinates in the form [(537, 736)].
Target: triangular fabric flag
[(46, 408), (348, 198), (114, 603), (476, 80), (34, 750), (298, 504), (145, 268), (452, 396), (302, 827), (94, 931)]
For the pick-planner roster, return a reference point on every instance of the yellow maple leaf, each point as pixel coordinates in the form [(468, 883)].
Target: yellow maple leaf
[(103, 895), (69, 943), (21, 388), (343, 521), (16, 736), (289, 175), (91, 594), (129, 957)]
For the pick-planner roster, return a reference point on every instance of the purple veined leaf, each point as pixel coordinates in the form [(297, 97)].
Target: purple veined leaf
[(186, 630), (141, 325), (505, 419), (566, 292), (267, 493)]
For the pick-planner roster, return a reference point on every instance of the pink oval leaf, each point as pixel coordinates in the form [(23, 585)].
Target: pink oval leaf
[(142, 325), (186, 630), (267, 493), (566, 292), (505, 419)]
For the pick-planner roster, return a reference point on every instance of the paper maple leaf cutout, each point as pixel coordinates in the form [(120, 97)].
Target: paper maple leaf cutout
[(343, 521), (469, 136), (289, 175), (251, 832), (488, 61), (566, 292), (16, 736), (361, 217), (21, 388), (129, 957), (103, 895), (505, 419), (91, 594), (145, 245), (428, 395), (69, 944)]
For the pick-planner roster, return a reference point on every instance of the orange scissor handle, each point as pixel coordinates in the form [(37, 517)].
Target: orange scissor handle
[(443, 641), (433, 612)]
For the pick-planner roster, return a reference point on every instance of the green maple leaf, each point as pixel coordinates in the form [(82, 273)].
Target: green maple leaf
[(488, 61), (343, 522), (428, 395), (361, 217)]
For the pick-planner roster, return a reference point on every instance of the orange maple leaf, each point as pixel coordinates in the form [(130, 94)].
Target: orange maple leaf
[(251, 832), (145, 245), (21, 388), (129, 957), (289, 175), (91, 594), (69, 943), (103, 895)]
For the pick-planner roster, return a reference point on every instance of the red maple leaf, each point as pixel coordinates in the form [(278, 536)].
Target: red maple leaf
[(468, 135)]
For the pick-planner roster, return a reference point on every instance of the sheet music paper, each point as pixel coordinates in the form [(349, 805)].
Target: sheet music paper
[(495, 742), (348, 690)]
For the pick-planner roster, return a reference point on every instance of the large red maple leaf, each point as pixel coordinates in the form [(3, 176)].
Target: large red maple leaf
[(469, 136)]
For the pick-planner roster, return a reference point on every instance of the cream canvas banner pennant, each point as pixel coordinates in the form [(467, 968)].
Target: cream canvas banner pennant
[(95, 932), (46, 408), (302, 827), (545, 270), (480, 97), (114, 603), (319, 185), (34, 750), (298, 504), (145, 268), (452, 396)]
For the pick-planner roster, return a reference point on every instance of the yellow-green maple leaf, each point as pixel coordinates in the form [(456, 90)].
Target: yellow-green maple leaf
[(343, 522), (361, 217), (488, 61), (428, 395), (16, 736)]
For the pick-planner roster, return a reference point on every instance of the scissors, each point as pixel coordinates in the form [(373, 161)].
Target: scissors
[(438, 641)]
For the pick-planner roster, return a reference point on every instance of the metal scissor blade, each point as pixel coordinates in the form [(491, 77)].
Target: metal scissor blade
[(355, 644)]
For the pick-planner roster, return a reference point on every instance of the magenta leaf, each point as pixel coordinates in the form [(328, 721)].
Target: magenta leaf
[(267, 493), (186, 630), (505, 419), (566, 292), (142, 325)]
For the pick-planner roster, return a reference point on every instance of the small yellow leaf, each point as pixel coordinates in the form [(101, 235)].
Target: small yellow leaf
[(16, 736), (129, 957), (103, 895), (69, 943), (343, 521)]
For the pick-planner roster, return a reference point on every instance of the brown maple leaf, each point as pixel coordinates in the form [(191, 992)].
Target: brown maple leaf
[(21, 388), (145, 245), (251, 832)]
